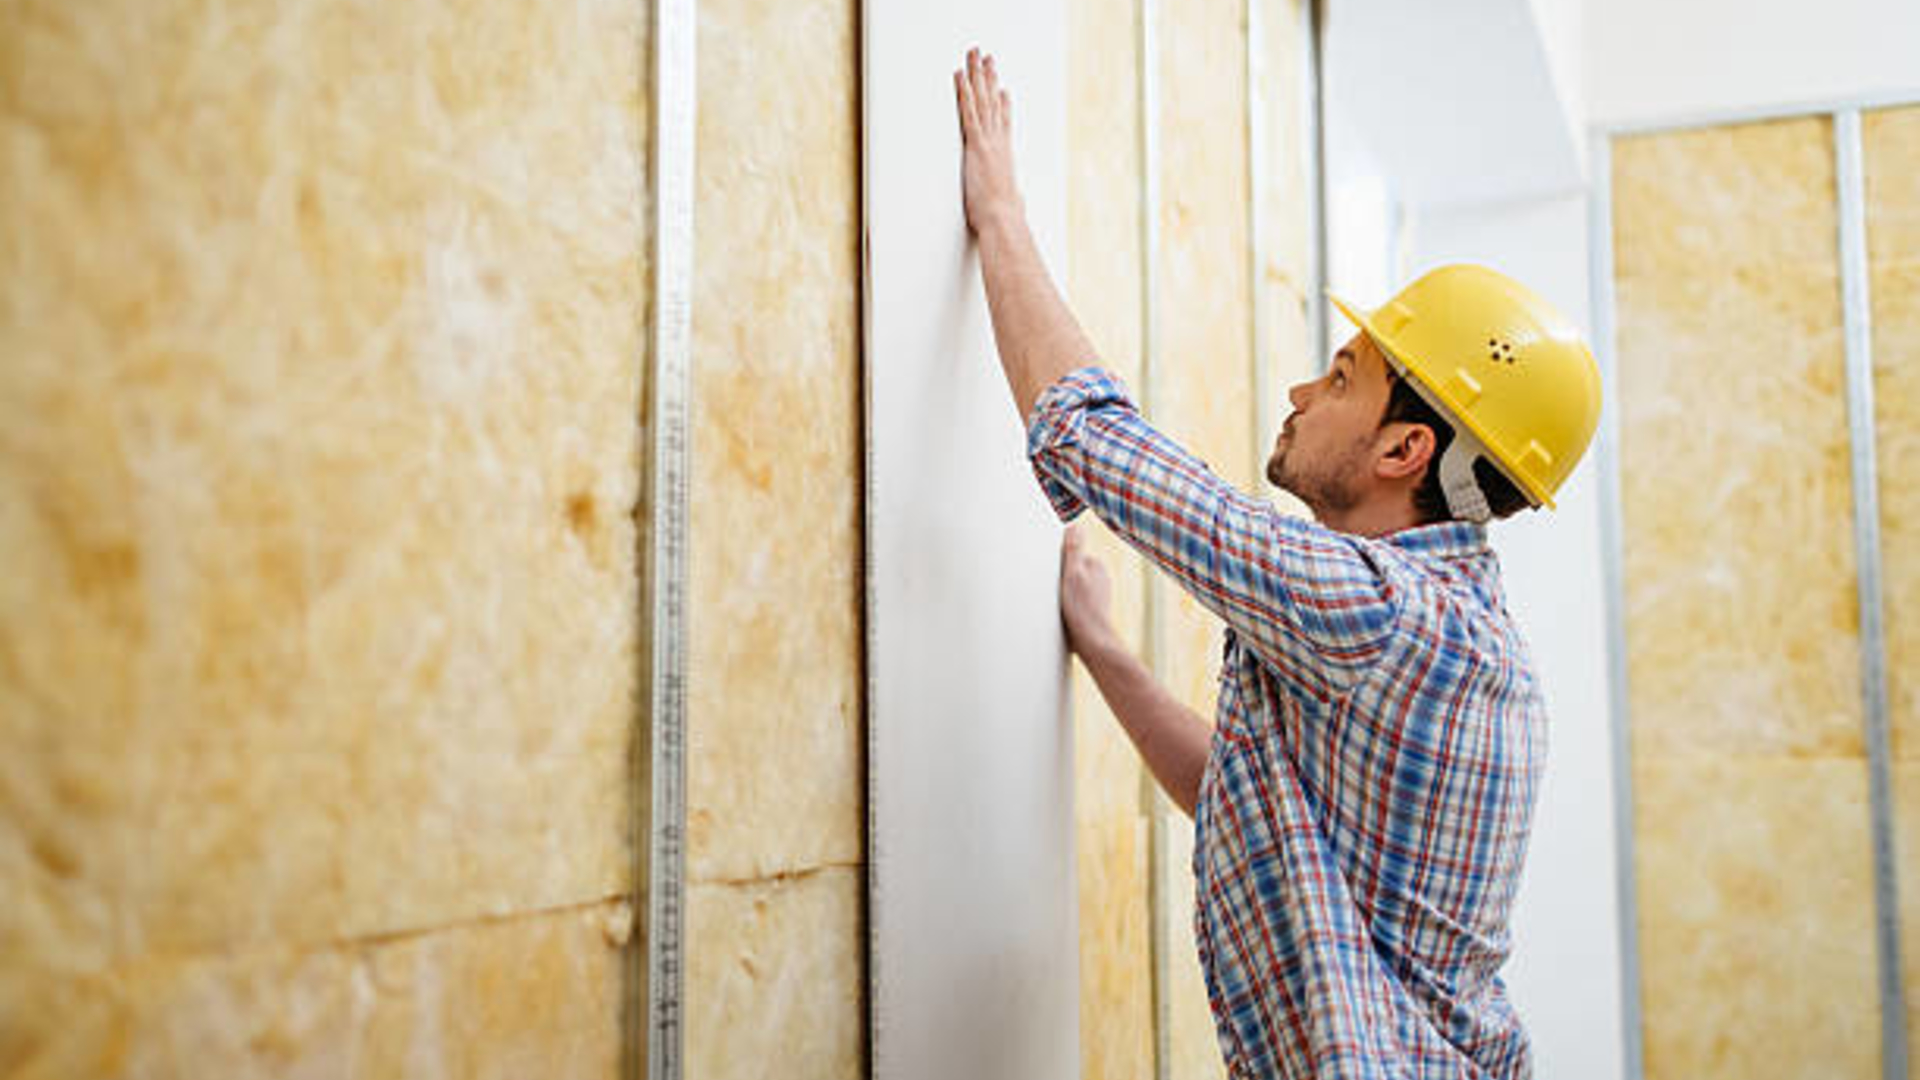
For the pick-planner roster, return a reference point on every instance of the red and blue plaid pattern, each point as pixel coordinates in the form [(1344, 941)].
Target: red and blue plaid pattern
[(1376, 753)]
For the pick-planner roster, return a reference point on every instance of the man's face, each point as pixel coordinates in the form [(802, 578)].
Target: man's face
[(1325, 450)]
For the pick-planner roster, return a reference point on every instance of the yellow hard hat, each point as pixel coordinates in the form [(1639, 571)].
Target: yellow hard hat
[(1493, 357)]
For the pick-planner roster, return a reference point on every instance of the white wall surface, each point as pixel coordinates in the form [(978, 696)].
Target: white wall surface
[(1657, 60), (1562, 30), (1362, 215), (1458, 100)]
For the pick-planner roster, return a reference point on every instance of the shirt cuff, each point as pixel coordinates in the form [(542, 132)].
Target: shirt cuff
[(1055, 432)]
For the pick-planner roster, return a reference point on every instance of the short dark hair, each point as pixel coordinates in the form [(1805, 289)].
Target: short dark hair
[(1405, 405)]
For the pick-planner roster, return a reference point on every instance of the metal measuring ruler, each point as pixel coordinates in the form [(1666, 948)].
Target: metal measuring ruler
[(662, 852)]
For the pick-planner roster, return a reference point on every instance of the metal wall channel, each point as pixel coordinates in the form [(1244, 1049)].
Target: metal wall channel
[(1315, 89), (661, 807), (1850, 191), (1257, 254), (1855, 287), (1153, 615), (1600, 282)]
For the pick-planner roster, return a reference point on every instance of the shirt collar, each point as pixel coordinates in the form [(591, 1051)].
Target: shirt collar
[(1446, 540)]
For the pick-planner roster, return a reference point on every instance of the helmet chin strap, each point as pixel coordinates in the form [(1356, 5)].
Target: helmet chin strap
[(1464, 497), (1465, 500)]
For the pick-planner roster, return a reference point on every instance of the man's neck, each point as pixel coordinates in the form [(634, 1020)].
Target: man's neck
[(1370, 519)]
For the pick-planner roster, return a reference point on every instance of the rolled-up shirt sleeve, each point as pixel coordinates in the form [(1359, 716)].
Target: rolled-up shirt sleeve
[(1312, 601)]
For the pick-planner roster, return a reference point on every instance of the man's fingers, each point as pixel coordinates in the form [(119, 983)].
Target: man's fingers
[(963, 102), (1002, 101), (981, 69), (977, 87), (978, 95), (970, 104), (976, 101)]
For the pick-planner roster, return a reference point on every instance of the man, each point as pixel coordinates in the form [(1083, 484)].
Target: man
[(1362, 802)]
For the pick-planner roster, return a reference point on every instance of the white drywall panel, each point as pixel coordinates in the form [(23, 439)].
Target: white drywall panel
[(971, 869)]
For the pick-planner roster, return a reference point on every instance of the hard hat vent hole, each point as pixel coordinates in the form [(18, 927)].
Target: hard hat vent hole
[(1500, 352)]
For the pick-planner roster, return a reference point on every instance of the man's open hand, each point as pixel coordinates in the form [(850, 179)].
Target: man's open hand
[(986, 127)]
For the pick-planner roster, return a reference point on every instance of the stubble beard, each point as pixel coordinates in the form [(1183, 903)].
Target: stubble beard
[(1328, 488)]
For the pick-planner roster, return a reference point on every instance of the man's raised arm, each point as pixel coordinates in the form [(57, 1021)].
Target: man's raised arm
[(1038, 338)]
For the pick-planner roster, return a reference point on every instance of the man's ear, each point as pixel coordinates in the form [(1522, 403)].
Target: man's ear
[(1407, 449)]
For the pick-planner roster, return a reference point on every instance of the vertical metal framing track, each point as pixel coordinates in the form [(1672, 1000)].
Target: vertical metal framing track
[(1314, 42), (1153, 615), (1856, 306), (1600, 283), (1257, 323), (869, 626), (664, 802), (1850, 205), (1259, 331)]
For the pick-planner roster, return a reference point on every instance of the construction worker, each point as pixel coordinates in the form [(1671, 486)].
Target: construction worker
[(1362, 801)]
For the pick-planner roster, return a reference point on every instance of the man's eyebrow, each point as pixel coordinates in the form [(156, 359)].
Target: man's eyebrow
[(1343, 354)]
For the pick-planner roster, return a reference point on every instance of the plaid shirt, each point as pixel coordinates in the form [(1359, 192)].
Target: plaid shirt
[(1370, 785)]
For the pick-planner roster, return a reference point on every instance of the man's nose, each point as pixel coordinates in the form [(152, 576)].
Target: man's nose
[(1300, 394)]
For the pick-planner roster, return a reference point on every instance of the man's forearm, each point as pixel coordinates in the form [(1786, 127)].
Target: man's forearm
[(1172, 739), (1038, 338)]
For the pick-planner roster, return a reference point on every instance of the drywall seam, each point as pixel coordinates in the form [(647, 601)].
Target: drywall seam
[(1855, 288), (875, 911), (869, 542), (664, 851), (1614, 589)]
